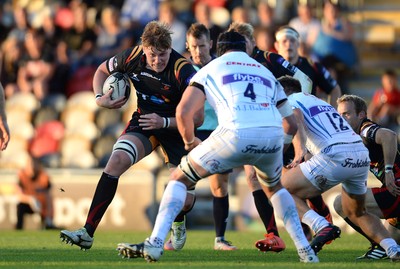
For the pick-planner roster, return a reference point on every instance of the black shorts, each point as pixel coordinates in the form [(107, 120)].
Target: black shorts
[(169, 139), (389, 204), (288, 156)]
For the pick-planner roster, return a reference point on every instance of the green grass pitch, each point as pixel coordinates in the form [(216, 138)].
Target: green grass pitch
[(43, 249)]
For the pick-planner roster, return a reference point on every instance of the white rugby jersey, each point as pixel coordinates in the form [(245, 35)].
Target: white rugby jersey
[(323, 124), (242, 91)]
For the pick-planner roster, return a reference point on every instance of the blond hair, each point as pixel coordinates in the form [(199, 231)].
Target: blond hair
[(245, 29), (359, 104), (157, 35)]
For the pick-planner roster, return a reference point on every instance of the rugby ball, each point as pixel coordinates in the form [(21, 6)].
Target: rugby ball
[(120, 84)]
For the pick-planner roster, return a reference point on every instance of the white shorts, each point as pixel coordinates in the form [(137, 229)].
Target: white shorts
[(341, 163), (225, 149)]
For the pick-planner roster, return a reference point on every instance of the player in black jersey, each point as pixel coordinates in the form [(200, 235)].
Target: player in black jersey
[(324, 85), (159, 75), (384, 152)]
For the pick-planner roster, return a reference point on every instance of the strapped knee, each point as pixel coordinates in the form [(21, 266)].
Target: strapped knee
[(271, 182), (128, 147), (189, 170)]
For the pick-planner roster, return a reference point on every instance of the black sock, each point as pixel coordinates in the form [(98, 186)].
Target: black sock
[(221, 213), (182, 214), (103, 196), (319, 206), (266, 211)]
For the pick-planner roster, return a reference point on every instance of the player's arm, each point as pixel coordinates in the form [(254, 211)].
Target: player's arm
[(327, 84), (334, 95), (104, 100), (288, 122), (299, 140), (388, 140), (191, 104), (305, 81), (279, 66), (4, 130)]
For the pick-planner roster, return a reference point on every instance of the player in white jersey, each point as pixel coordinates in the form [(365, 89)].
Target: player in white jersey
[(255, 123), (339, 156)]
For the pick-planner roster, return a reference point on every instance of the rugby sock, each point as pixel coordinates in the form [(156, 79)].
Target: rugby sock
[(390, 246), (103, 196), (318, 205), (265, 211), (314, 220), (183, 213), (285, 209), (358, 229), (221, 213), (171, 203)]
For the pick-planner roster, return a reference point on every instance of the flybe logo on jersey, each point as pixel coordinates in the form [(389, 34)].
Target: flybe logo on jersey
[(315, 110), (245, 77)]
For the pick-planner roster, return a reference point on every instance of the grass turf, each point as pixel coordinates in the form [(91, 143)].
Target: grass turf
[(43, 249)]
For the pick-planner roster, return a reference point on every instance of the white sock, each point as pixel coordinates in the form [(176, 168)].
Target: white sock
[(390, 246), (314, 220), (171, 204), (285, 209)]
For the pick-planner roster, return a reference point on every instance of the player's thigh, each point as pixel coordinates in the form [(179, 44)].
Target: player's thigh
[(297, 183), (251, 178), (219, 153)]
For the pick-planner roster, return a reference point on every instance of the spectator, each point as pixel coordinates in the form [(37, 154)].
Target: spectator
[(333, 45), (265, 38), (20, 23), (385, 105), (135, 14), (4, 130), (167, 15), (37, 65), (80, 39), (305, 23), (240, 14), (10, 55), (202, 12), (266, 15), (111, 36), (34, 194), (5, 23)]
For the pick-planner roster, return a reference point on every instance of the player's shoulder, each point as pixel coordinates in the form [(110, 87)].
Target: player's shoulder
[(133, 53), (307, 61), (179, 62)]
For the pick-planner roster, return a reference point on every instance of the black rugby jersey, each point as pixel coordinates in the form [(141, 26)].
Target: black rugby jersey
[(157, 93), (274, 62), (377, 165), (318, 74)]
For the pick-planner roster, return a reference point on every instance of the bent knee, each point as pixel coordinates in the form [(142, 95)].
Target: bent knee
[(337, 205)]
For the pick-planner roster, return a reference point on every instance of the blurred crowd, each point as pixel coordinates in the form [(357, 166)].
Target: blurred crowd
[(51, 48)]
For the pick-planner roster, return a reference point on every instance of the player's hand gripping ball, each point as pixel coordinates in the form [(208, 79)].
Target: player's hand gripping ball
[(119, 82)]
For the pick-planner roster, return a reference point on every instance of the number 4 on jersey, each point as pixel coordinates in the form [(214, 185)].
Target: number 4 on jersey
[(250, 92)]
